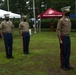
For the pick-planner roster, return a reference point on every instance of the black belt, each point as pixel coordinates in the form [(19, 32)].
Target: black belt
[(25, 31), (65, 34), (6, 32)]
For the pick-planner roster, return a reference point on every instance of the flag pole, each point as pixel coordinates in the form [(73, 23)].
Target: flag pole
[(8, 5), (34, 16)]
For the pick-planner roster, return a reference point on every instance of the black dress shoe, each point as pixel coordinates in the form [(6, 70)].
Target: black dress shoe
[(65, 69), (12, 57), (26, 53), (8, 57), (70, 67)]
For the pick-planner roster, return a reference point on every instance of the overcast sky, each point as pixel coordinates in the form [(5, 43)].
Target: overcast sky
[(2, 0)]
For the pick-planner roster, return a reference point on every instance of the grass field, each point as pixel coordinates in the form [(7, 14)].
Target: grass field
[(43, 58)]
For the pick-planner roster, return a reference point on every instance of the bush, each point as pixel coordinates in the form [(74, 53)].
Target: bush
[(45, 23), (73, 23)]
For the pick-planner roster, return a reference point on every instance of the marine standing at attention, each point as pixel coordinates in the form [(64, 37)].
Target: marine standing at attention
[(24, 33), (6, 29), (63, 32)]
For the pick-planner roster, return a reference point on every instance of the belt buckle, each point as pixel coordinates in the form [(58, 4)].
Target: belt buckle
[(9, 32)]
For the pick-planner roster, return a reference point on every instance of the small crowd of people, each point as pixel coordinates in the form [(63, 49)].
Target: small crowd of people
[(63, 33), (6, 30)]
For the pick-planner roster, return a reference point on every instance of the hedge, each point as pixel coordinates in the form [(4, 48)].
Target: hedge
[(45, 23)]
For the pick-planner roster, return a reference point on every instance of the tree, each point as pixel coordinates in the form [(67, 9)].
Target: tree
[(58, 4), (20, 6), (2, 4)]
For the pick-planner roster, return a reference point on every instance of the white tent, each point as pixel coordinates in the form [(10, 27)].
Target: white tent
[(11, 15)]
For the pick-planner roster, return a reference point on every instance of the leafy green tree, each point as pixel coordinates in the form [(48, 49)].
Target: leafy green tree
[(58, 4), (2, 4), (21, 7)]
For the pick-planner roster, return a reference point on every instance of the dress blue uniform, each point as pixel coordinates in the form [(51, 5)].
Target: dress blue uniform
[(26, 39), (24, 32), (7, 31), (63, 31)]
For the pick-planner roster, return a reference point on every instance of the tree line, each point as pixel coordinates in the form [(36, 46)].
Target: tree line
[(22, 7)]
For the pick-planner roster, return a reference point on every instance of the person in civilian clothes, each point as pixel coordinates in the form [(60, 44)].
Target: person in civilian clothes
[(24, 33), (63, 32), (6, 29)]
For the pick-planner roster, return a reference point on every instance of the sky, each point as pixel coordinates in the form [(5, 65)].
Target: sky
[(2, 0)]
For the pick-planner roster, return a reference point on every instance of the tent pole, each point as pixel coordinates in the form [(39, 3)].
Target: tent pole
[(40, 25)]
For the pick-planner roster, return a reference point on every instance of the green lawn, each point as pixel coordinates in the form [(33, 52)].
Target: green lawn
[(43, 58)]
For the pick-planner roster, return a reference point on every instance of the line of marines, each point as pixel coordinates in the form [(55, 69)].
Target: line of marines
[(63, 33)]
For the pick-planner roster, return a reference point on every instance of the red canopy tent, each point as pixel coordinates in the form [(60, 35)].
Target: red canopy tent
[(50, 13)]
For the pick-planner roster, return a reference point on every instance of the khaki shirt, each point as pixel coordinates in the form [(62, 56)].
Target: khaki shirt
[(24, 27), (6, 26), (64, 25)]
